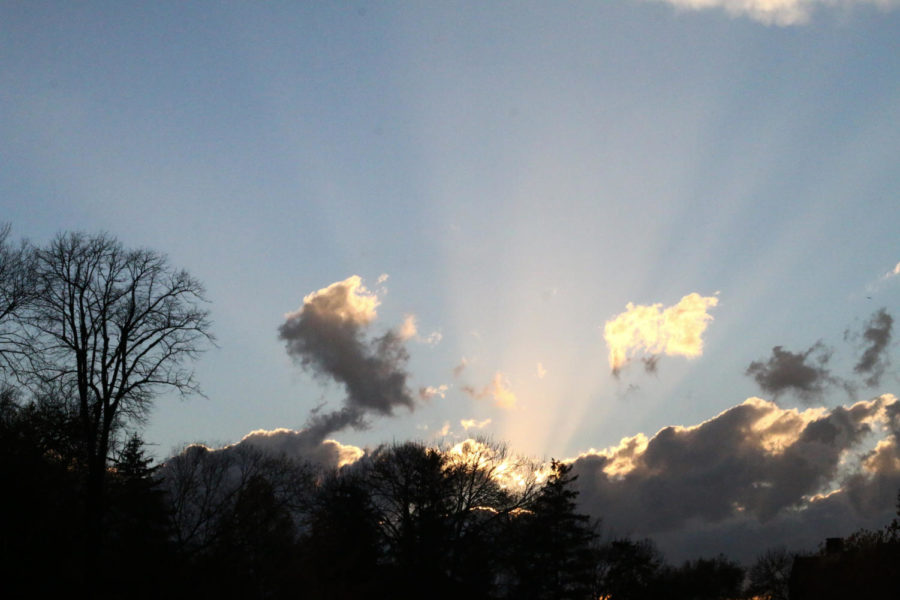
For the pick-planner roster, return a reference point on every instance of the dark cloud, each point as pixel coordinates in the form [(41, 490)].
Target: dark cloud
[(877, 336), (326, 335), (753, 474), (805, 373)]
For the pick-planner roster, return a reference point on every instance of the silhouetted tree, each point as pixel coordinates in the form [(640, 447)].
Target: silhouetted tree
[(555, 554), (17, 289), (629, 570), (255, 544), (111, 327), (341, 548), (770, 575), (703, 579), (41, 528), (138, 544)]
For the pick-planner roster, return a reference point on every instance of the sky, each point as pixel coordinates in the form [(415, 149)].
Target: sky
[(656, 237)]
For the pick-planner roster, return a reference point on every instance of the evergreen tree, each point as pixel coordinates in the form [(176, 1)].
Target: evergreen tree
[(554, 554)]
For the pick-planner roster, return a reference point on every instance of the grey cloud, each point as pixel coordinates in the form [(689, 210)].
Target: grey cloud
[(804, 373), (327, 337), (877, 336), (753, 468)]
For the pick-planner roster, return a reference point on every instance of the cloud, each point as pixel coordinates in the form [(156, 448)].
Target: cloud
[(772, 469), (498, 390), (652, 330), (541, 371), (408, 330), (877, 336), (458, 369), (326, 335), (804, 373), (778, 12), (468, 424), (429, 392), (893, 272), (303, 445)]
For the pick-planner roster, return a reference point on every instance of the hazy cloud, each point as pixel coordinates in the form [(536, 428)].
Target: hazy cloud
[(541, 371), (771, 468), (497, 390), (877, 336), (653, 330), (458, 369), (326, 335), (804, 373), (778, 12)]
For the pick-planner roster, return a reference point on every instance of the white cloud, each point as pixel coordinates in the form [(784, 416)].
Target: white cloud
[(778, 12), (652, 330)]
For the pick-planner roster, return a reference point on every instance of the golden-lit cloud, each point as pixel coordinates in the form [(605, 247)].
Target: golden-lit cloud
[(893, 272), (347, 300), (301, 445), (468, 424), (408, 329), (499, 390), (777, 12), (652, 330)]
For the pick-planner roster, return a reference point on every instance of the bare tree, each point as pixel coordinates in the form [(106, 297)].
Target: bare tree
[(112, 327), (16, 291)]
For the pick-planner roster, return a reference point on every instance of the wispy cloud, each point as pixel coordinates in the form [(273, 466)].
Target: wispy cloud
[(468, 424), (875, 359), (541, 371), (652, 331), (409, 330), (893, 272), (498, 390), (778, 12), (430, 391)]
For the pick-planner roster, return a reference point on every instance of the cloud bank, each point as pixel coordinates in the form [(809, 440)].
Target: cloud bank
[(653, 331), (778, 12), (326, 336), (777, 474)]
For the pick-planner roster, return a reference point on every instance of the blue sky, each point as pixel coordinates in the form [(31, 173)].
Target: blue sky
[(520, 172)]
